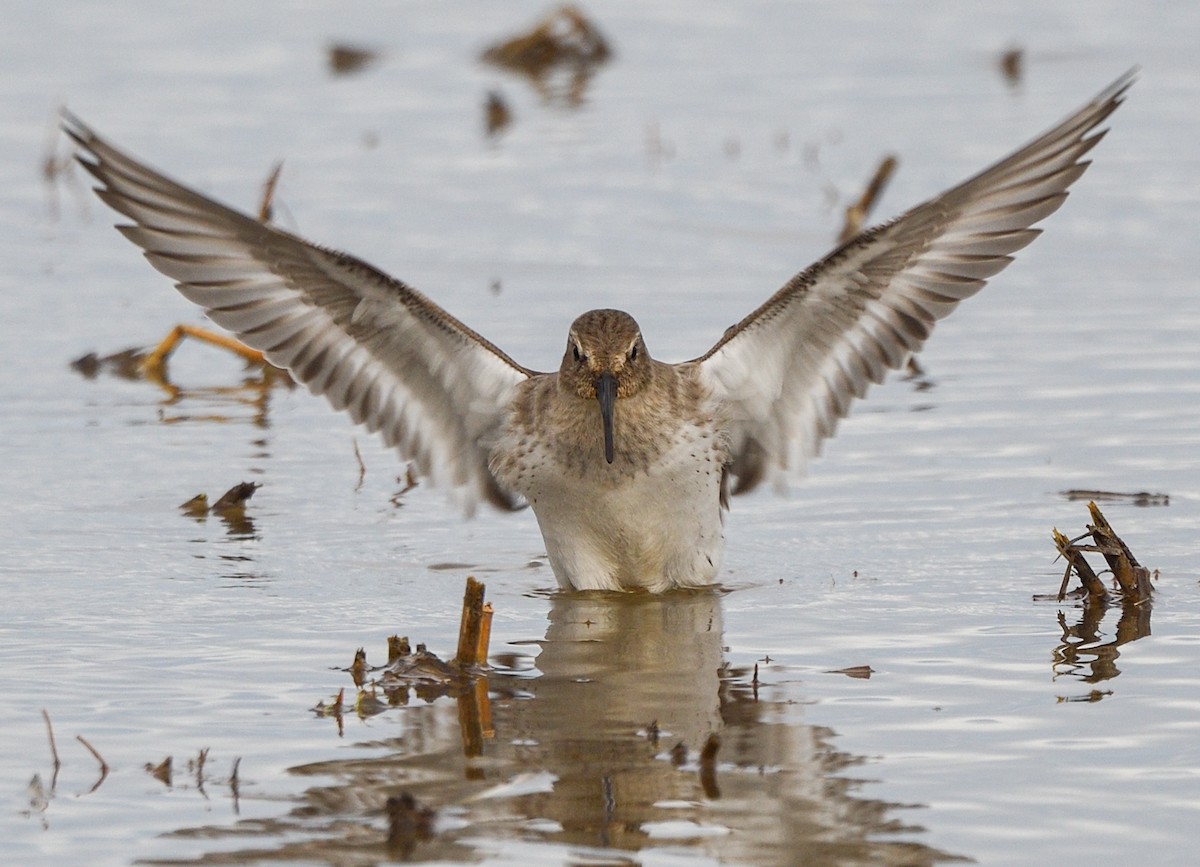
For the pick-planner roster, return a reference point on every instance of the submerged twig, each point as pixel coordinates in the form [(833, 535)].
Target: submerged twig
[(708, 767)]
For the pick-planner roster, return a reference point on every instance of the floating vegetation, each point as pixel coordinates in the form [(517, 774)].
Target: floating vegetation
[(229, 502), (564, 43), (1139, 498), (422, 673), (230, 507), (858, 672)]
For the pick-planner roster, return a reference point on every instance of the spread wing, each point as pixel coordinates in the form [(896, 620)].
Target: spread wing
[(791, 369), (383, 352)]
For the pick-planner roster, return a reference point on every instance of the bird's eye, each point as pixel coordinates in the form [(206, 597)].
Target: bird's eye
[(575, 349), (633, 353)]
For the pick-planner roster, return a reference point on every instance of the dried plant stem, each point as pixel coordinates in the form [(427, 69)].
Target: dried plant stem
[(53, 746)]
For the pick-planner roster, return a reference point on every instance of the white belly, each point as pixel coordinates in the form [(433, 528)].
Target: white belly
[(611, 528)]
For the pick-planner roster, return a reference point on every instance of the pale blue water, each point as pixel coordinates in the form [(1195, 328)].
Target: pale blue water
[(913, 546)]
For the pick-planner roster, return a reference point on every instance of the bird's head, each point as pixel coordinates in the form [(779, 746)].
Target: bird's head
[(605, 361)]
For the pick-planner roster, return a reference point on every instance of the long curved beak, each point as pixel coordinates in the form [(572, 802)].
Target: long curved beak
[(606, 394)]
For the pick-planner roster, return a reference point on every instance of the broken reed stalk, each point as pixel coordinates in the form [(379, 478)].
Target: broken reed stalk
[(1131, 575), (708, 767), (1076, 562), (397, 647), (475, 630)]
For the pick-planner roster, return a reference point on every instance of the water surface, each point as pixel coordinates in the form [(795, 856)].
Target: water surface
[(706, 164)]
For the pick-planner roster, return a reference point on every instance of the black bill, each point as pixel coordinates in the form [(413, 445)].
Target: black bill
[(606, 394)]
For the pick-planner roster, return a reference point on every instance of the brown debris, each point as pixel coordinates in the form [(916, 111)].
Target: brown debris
[(424, 674), (1137, 498), (475, 632), (230, 508), (161, 771), (53, 746), (266, 205), (857, 213), (230, 505), (95, 754), (362, 468), (397, 647), (332, 709), (708, 767), (408, 824), (1091, 698), (235, 498), (1132, 579), (358, 669), (345, 59), (679, 754), (563, 41), (859, 672), (496, 114), (154, 364), (1012, 65)]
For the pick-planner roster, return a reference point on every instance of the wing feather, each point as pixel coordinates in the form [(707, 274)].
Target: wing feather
[(788, 372), (373, 346)]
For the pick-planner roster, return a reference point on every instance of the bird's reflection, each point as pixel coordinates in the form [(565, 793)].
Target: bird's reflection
[(583, 760)]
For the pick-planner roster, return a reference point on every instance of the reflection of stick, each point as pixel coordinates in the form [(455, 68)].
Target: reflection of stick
[(708, 767), (234, 784), (856, 214), (475, 718)]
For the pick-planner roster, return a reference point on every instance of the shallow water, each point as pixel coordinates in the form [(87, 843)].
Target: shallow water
[(696, 177)]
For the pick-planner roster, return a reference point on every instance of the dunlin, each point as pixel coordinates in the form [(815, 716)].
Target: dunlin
[(626, 461)]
